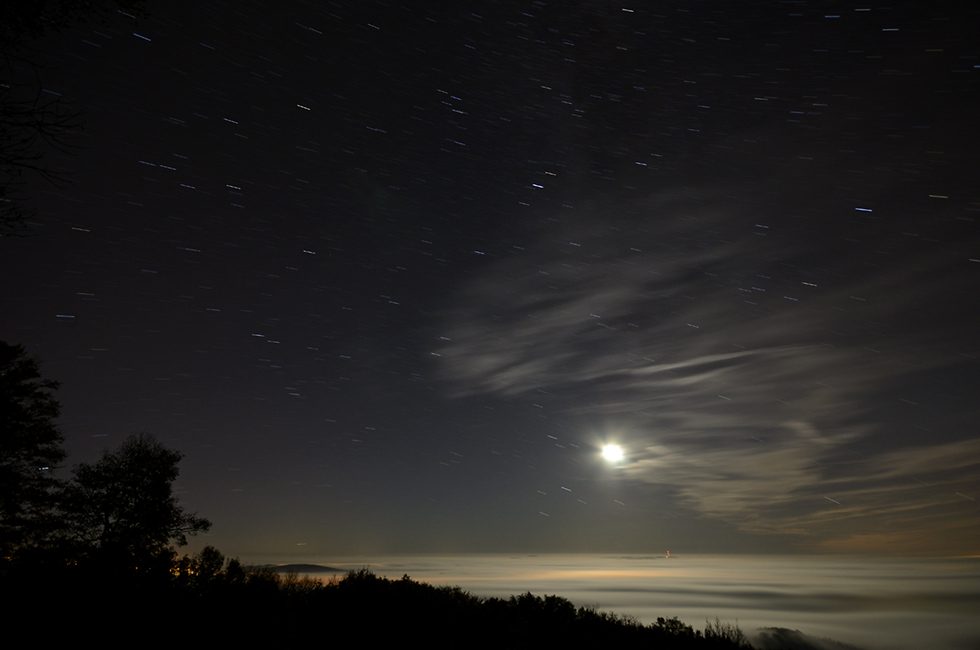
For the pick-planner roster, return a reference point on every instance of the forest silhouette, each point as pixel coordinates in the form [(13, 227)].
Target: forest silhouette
[(196, 600)]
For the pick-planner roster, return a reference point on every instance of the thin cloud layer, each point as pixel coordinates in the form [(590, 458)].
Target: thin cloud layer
[(758, 377)]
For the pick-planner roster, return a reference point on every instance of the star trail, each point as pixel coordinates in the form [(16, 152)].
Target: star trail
[(393, 276)]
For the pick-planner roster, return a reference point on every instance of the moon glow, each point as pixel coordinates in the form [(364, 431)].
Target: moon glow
[(612, 453)]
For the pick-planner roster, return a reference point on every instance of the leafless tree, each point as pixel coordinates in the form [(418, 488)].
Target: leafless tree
[(33, 120)]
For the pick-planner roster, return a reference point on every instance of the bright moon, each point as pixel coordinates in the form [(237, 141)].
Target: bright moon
[(612, 453)]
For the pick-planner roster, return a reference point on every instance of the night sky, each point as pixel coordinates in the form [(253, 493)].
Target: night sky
[(390, 275)]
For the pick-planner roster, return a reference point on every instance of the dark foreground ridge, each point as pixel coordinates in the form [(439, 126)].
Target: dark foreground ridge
[(203, 599)]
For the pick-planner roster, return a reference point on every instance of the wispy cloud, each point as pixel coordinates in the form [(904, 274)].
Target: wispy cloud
[(752, 369)]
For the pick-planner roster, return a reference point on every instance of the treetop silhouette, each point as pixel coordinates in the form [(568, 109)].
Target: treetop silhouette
[(30, 447), (123, 506)]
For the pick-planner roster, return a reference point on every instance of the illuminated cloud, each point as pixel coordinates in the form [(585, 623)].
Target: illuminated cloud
[(755, 377)]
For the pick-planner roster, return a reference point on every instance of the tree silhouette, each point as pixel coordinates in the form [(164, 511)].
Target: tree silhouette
[(122, 509), (30, 446), (30, 120)]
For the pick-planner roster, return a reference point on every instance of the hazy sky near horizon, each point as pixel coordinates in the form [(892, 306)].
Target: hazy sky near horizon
[(391, 276)]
